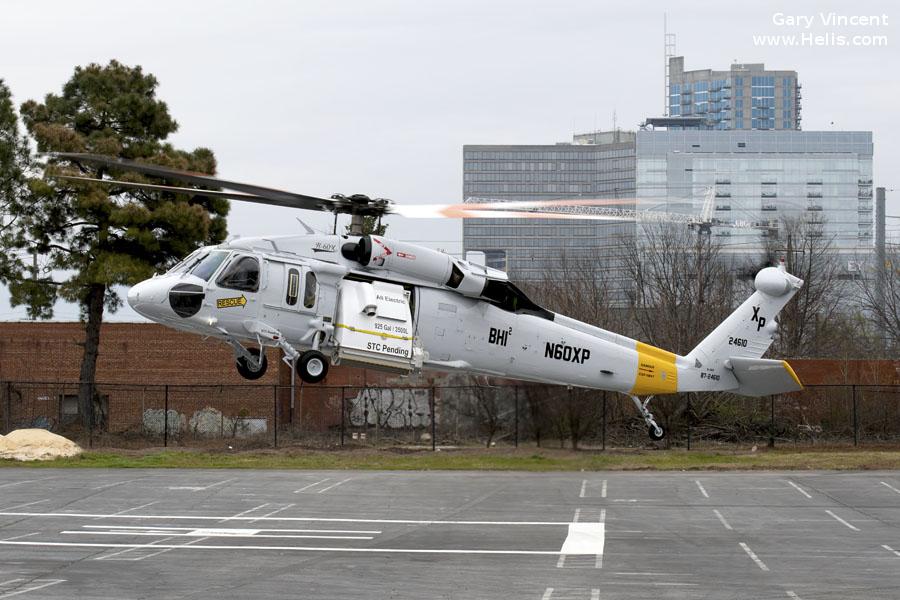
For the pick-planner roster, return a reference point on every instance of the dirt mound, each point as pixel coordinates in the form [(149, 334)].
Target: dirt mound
[(36, 444)]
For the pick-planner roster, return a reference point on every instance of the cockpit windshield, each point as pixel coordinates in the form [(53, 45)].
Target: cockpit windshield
[(205, 267)]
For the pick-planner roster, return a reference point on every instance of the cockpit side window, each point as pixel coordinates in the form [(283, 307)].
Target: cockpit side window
[(242, 274), (205, 265)]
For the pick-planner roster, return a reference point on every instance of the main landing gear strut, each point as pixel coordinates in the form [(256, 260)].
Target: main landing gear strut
[(656, 432)]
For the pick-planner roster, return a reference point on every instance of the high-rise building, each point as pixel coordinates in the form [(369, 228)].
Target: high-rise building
[(747, 96), (594, 165), (761, 177)]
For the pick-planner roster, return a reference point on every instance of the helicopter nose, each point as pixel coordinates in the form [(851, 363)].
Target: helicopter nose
[(149, 298)]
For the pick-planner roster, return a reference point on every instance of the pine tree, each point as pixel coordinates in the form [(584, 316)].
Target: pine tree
[(92, 237)]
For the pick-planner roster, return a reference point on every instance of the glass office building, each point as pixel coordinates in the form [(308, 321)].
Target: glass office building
[(595, 165), (747, 96), (762, 177)]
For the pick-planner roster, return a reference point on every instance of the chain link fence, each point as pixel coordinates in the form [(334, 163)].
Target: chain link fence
[(317, 416)]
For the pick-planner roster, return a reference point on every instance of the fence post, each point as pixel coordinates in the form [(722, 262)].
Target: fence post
[(275, 412), (343, 411), (166, 418), (772, 422), (690, 418), (603, 431), (516, 437), (855, 419), (433, 428)]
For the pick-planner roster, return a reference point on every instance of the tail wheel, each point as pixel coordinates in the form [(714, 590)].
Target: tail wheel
[(656, 433), (312, 366), (255, 369)]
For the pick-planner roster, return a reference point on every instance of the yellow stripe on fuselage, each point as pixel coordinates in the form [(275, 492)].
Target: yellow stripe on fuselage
[(656, 371)]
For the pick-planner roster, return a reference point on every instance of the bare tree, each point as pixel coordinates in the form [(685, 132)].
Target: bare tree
[(814, 322), (683, 286), (879, 296)]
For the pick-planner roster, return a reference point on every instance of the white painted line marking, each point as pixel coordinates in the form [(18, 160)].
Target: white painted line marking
[(174, 529), (889, 486), (131, 549), (889, 549), (595, 594), (312, 485), (114, 484), (583, 488), (577, 515), (334, 485), (584, 538), (197, 488), (754, 557), (164, 550), (122, 512), (10, 581), (561, 562), (241, 514), (792, 595), (547, 594), (26, 504), (289, 519), (211, 533), (19, 537), (722, 519), (702, 489), (291, 548), (603, 489), (12, 483), (840, 520), (274, 512), (799, 489), (48, 583)]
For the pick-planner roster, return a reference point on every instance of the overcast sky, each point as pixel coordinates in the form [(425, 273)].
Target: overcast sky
[(379, 97)]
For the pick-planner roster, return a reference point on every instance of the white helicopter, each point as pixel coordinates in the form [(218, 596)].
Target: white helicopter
[(371, 301)]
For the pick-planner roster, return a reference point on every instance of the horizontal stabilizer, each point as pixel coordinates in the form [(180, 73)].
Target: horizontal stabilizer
[(764, 377)]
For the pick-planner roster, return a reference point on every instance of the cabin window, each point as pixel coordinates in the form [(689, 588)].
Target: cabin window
[(311, 290), (242, 274), (293, 287)]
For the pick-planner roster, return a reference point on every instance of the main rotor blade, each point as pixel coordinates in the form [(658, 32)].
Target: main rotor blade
[(167, 188), (264, 195)]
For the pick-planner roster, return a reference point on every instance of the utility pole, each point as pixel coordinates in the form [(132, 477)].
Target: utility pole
[(880, 219)]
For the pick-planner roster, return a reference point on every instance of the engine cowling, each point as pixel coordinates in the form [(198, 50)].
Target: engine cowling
[(377, 253)]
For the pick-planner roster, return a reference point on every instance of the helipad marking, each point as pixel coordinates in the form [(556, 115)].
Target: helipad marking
[(331, 487), (722, 519), (799, 489), (288, 519), (232, 533), (290, 548), (840, 520), (889, 486), (702, 489), (754, 557), (47, 583), (306, 487), (170, 529), (198, 488)]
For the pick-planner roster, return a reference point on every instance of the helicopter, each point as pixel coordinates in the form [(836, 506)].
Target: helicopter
[(371, 301)]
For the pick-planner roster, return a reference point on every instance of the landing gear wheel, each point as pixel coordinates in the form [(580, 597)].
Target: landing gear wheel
[(246, 368), (656, 433), (312, 366)]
